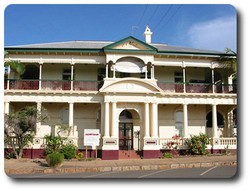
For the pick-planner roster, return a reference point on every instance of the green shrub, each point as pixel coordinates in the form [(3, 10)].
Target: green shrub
[(167, 155), (54, 159), (10, 155), (79, 156), (197, 144), (53, 144), (68, 150)]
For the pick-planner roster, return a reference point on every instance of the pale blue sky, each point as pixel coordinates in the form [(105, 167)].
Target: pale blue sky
[(198, 26)]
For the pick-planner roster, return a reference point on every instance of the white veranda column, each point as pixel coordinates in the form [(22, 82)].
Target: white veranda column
[(107, 70), (106, 127), (40, 75), (71, 114), (113, 70), (154, 119), (185, 121), (214, 123), (8, 80), (152, 71), (184, 79), (38, 124), (72, 77), (146, 72), (146, 119), (114, 121), (102, 118), (213, 85), (230, 124), (6, 107)]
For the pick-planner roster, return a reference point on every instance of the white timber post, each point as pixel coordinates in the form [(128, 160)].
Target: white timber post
[(114, 121), (39, 110), (152, 71), (107, 70), (106, 128), (6, 107), (71, 114), (72, 77), (213, 85), (154, 119), (113, 70), (184, 79), (40, 74), (185, 121), (146, 119), (214, 122), (102, 118), (8, 80), (146, 72)]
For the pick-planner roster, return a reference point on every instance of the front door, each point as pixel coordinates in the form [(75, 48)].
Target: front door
[(125, 136)]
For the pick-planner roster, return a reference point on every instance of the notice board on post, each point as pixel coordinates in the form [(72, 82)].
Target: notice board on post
[(91, 137)]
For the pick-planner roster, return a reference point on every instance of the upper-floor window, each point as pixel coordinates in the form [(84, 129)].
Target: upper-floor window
[(67, 74), (142, 75), (178, 77), (6, 72), (101, 72), (124, 75)]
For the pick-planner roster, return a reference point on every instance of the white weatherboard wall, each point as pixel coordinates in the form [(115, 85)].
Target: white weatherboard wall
[(165, 74), (53, 71), (86, 72), (196, 119), (85, 117)]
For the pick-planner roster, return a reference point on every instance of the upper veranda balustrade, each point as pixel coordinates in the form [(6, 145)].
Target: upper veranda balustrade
[(168, 87)]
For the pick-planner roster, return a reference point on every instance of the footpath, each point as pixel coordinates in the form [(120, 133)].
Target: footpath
[(39, 166)]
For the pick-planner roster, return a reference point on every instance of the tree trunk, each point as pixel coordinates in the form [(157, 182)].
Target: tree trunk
[(20, 153)]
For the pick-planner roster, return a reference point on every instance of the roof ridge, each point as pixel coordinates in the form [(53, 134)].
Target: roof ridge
[(60, 42)]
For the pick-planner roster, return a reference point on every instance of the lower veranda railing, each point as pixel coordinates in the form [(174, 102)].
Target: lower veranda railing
[(181, 143)]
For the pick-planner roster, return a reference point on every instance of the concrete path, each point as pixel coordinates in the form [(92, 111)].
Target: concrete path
[(29, 166)]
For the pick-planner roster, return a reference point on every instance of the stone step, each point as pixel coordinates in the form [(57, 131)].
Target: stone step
[(129, 154)]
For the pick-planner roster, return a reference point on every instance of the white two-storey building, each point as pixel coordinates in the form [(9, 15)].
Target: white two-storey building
[(138, 94)]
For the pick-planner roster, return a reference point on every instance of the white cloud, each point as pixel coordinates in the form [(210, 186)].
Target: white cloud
[(217, 34)]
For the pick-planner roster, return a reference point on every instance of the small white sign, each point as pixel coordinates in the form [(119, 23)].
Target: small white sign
[(91, 137)]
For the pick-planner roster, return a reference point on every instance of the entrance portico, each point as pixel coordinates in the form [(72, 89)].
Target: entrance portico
[(130, 113)]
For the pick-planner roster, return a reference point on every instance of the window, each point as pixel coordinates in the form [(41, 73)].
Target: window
[(98, 119), (65, 116), (125, 114), (124, 75), (220, 120), (148, 75), (178, 123), (235, 118), (178, 77), (6, 69), (67, 74), (101, 74)]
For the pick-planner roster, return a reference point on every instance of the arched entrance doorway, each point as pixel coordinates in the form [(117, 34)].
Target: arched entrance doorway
[(125, 130), (128, 130)]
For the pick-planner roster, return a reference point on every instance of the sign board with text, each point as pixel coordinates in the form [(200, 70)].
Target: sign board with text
[(91, 137)]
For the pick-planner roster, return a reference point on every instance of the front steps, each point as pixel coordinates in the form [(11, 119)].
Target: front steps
[(131, 154)]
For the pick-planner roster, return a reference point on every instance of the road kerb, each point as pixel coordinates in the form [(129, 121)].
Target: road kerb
[(119, 168)]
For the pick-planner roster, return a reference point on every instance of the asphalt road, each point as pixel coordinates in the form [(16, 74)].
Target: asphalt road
[(212, 172)]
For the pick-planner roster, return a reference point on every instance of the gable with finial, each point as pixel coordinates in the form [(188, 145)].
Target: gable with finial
[(130, 44)]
